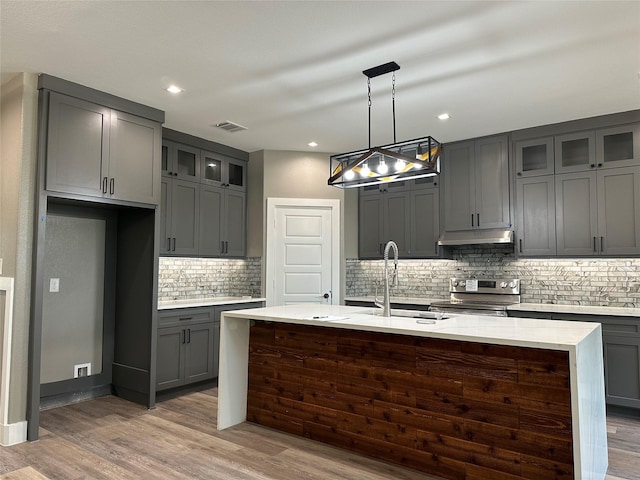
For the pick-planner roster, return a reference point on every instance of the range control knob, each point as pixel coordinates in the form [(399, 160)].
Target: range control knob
[(503, 284), (512, 284), (462, 283), (455, 283)]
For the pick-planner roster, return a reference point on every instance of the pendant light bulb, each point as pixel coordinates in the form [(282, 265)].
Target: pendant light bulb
[(382, 167), (399, 166), (349, 174), (364, 171)]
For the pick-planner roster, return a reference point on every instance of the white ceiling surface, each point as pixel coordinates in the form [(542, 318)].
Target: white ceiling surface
[(292, 71)]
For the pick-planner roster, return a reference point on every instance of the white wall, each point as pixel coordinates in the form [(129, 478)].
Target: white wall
[(18, 120)]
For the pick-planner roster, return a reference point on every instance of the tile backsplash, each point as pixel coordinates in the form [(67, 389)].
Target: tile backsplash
[(613, 282), (193, 278)]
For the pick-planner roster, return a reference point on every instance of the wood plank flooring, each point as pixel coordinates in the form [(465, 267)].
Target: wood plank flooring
[(110, 438)]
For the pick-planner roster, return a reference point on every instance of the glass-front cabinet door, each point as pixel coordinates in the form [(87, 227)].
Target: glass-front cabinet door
[(575, 152), (618, 146), (222, 171), (211, 169), (236, 175), (180, 161), (534, 157)]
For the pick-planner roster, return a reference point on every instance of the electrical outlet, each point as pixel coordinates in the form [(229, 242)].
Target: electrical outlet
[(54, 285), (81, 370)]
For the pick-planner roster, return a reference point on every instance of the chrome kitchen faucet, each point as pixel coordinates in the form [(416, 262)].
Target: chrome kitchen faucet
[(386, 302)]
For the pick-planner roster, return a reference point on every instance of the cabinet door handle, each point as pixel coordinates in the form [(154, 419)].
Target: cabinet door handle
[(168, 244), (592, 165), (188, 335), (472, 220), (436, 247), (221, 246), (519, 174), (602, 244), (104, 185), (184, 336), (112, 186), (174, 244), (600, 165), (478, 219), (520, 242), (226, 246), (595, 248), (182, 319)]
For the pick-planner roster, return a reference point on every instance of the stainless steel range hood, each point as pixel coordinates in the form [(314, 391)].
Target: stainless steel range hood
[(476, 237)]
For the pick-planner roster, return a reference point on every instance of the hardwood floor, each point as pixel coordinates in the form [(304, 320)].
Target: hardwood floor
[(110, 438)]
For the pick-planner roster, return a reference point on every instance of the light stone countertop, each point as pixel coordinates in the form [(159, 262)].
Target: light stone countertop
[(522, 307), (578, 309), (206, 302), (399, 300), (522, 332)]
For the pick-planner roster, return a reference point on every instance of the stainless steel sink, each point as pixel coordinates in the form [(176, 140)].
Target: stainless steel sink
[(419, 314)]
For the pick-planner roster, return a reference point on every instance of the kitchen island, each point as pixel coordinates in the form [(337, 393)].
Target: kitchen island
[(463, 397)]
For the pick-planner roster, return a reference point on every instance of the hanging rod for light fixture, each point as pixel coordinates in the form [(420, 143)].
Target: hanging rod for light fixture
[(381, 69), (412, 159)]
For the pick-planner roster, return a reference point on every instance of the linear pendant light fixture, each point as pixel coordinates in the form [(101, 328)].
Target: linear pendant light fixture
[(411, 159)]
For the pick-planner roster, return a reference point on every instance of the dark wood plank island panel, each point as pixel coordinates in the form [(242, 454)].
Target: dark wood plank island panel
[(457, 409)]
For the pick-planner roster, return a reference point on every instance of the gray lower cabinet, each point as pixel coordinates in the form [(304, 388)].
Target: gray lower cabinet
[(476, 184), (180, 208), (100, 152), (598, 213), (621, 354), (536, 216), (186, 347)]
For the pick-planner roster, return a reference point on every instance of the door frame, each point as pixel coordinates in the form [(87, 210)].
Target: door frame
[(270, 245)]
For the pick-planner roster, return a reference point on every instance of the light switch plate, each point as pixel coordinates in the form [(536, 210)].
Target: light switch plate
[(54, 285), (0, 266)]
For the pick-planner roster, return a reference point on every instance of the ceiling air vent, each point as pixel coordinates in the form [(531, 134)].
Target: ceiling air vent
[(230, 127)]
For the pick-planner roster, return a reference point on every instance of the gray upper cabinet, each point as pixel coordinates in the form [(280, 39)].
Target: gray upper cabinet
[(575, 152), (534, 157), (598, 213), (180, 161), (405, 212), (619, 211), (222, 171), (425, 222), (618, 146), (576, 214), (204, 201), (134, 153), (536, 216), (222, 222), (611, 147), (100, 152), (476, 184), (180, 210), (370, 225)]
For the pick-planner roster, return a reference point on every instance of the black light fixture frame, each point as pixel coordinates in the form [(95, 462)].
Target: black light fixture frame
[(419, 164)]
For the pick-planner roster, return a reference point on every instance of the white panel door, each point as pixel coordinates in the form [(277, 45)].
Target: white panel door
[(303, 253), (303, 242)]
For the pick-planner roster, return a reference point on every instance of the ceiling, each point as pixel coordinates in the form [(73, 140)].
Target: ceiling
[(292, 71)]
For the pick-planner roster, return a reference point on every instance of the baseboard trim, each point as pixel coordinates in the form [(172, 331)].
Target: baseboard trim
[(13, 433)]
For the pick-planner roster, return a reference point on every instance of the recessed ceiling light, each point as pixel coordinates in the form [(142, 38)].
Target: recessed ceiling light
[(312, 144), (444, 116), (174, 89)]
